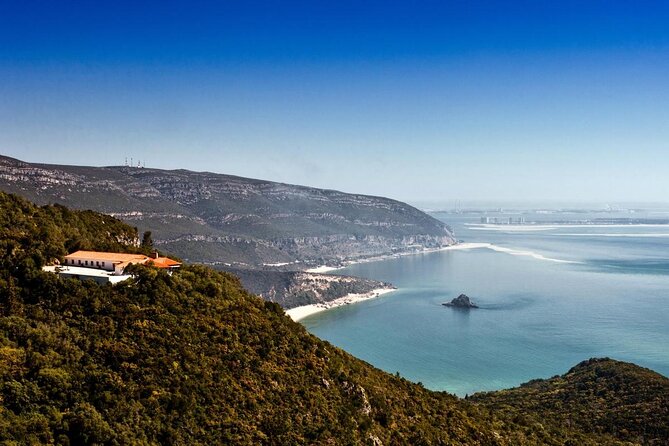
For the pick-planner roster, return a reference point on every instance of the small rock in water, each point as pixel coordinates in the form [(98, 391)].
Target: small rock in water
[(462, 301)]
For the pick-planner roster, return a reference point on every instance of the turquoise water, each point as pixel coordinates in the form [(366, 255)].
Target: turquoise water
[(537, 317)]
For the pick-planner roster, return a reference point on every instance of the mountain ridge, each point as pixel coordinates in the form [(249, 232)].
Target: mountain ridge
[(210, 217)]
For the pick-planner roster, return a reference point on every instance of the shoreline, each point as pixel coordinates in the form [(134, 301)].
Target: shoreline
[(303, 311), (455, 247), (299, 313)]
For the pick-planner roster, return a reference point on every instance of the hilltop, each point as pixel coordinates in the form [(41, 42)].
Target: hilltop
[(193, 358), (209, 217), (600, 396)]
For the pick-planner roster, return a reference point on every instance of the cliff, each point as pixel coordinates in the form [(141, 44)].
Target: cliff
[(294, 288)]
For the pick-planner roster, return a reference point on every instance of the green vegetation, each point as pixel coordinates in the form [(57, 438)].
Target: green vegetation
[(147, 240), (192, 358), (32, 236), (597, 396)]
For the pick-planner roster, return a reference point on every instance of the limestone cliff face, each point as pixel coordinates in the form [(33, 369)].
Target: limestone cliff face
[(345, 247), (203, 216), (294, 288)]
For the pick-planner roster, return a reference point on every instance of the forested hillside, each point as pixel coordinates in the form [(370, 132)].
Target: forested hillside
[(192, 358), (599, 396)]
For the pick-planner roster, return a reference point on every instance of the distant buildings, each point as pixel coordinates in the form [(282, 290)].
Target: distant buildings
[(107, 267), (503, 221)]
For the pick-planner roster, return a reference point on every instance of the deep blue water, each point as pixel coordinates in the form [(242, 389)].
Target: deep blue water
[(537, 317)]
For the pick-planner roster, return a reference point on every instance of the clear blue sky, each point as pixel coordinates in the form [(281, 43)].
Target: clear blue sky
[(421, 101)]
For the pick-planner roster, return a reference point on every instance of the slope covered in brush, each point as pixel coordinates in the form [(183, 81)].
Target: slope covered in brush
[(192, 358), (31, 235), (598, 396)]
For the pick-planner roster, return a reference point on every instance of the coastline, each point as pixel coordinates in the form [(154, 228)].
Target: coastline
[(299, 313), (457, 246)]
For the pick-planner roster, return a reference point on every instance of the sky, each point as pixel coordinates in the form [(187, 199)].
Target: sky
[(419, 101)]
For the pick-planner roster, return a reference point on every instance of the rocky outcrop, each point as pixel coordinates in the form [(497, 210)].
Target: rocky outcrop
[(462, 301), (352, 247), (295, 288)]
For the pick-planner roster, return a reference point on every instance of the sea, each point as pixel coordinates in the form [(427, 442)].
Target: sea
[(564, 287)]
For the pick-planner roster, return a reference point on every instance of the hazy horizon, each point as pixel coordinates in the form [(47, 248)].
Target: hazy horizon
[(453, 204), (421, 102)]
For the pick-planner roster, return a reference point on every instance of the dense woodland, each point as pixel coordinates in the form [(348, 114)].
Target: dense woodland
[(584, 398), (192, 358)]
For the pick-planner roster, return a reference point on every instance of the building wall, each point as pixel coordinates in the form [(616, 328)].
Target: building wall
[(92, 263), (118, 268), (98, 279)]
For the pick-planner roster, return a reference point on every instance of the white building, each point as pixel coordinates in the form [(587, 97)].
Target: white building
[(100, 276), (108, 261), (106, 267)]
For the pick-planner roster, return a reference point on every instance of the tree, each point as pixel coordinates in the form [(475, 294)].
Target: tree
[(147, 240)]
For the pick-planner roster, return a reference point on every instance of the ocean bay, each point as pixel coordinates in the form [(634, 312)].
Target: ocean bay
[(537, 318)]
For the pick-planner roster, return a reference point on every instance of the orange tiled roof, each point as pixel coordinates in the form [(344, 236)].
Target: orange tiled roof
[(164, 262), (123, 259), (110, 256)]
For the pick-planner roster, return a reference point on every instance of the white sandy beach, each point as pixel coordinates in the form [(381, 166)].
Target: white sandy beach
[(298, 313), (323, 269)]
